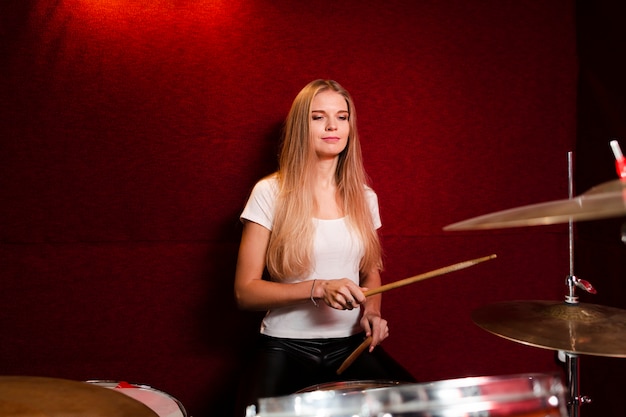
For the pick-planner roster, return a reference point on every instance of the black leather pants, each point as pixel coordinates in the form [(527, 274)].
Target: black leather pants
[(284, 366)]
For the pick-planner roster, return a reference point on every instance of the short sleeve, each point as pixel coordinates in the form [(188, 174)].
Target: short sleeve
[(372, 201), (260, 206)]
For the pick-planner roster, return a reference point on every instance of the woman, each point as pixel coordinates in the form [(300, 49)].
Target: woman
[(313, 226)]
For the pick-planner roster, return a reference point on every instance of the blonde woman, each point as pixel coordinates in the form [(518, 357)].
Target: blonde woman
[(312, 226)]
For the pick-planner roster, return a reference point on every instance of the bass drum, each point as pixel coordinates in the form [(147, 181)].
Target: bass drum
[(523, 395)]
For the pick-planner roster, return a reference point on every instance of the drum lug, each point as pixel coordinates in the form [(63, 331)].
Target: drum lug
[(251, 411)]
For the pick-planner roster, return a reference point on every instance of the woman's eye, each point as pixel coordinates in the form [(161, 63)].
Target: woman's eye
[(317, 117), (343, 117)]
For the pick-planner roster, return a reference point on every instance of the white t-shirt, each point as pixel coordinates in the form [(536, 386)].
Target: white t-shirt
[(337, 254)]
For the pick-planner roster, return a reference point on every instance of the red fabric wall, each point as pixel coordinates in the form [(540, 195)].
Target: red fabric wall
[(132, 132)]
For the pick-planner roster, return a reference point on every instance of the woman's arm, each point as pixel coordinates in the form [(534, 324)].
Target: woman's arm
[(372, 322), (252, 292)]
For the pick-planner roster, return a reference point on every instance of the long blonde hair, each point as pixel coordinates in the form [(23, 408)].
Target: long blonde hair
[(291, 240)]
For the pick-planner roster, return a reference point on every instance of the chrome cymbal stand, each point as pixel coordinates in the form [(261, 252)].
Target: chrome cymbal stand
[(572, 360)]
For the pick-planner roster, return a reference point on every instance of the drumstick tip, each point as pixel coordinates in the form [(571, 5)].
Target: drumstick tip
[(485, 258)]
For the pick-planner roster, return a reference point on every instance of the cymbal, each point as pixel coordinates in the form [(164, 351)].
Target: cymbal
[(52, 397), (577, 328), (603, 201)]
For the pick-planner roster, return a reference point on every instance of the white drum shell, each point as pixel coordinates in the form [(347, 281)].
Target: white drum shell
[(160, 402)]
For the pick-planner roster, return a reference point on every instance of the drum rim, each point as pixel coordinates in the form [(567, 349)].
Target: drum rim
[(139, 386), (323, 387), (546, 388)]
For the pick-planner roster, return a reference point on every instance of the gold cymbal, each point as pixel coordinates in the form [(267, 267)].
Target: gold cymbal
[(52, 397), (603, 201), (577, 328)]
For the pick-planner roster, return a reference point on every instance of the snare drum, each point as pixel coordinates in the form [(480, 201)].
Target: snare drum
[(524, 395), (350, 386), (161, 403)]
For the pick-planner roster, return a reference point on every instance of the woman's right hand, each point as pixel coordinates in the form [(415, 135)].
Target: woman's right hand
[(342, 294)]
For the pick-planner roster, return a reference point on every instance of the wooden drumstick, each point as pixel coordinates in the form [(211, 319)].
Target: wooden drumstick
[(402, 283), (354, 355), (421, 277)]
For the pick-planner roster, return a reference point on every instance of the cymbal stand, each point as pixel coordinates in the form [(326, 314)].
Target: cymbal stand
[(572, 360)]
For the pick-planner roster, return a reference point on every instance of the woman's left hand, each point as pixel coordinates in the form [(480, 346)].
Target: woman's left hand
[(376, 327)]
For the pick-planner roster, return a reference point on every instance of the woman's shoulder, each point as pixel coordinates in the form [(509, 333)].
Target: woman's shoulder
[(370, 194), (267, 185), (372, 202), (260, 205)]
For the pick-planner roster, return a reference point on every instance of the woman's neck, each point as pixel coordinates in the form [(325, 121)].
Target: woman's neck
[(328, 202), (326, 173)]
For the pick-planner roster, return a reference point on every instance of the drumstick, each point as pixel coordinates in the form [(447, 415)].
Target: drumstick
[(421, 277), (402, 283), (354, 355)]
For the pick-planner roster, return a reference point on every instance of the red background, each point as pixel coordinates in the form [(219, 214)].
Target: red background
[(132, 132)]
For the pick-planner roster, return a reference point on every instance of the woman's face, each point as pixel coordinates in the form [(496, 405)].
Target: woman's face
[(329, 124)]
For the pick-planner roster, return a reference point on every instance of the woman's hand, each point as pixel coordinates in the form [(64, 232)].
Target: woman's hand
[(371, 321), (342, 294), (375, 326)]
